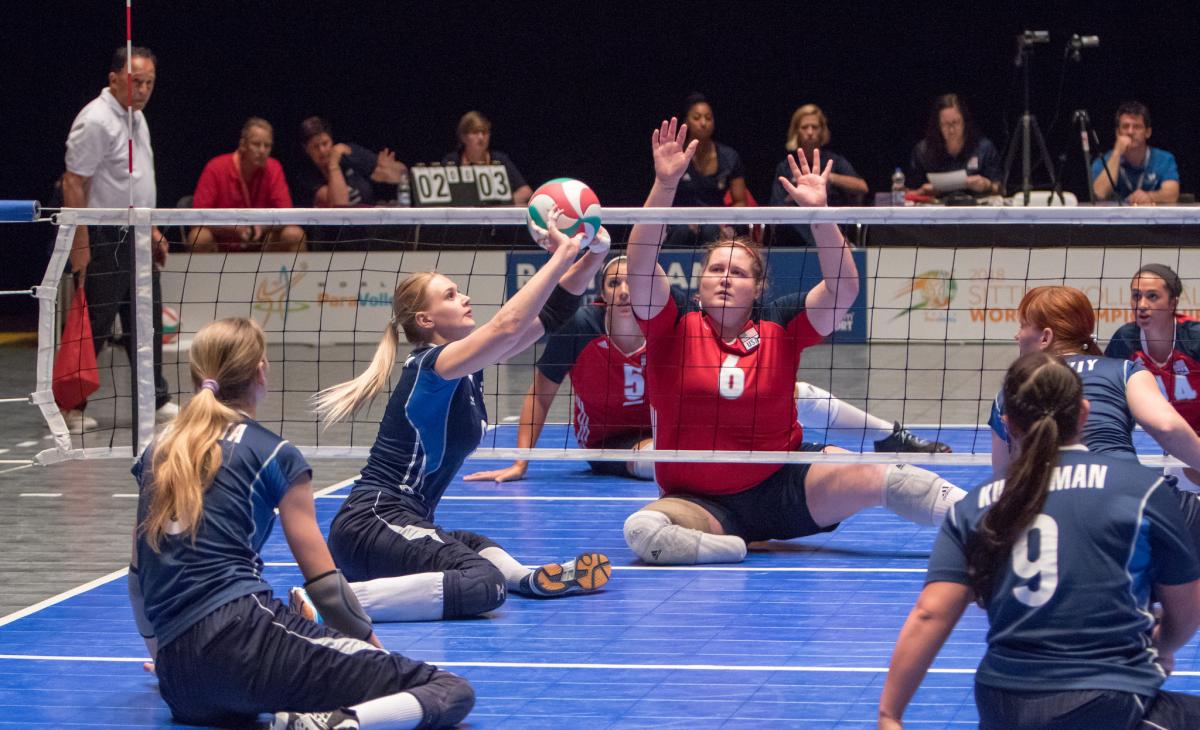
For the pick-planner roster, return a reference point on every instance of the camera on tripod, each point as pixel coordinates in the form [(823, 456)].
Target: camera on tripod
[(1026, 40), (1033, 37)]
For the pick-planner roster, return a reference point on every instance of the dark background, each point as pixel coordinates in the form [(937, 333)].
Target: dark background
[(575, 90)]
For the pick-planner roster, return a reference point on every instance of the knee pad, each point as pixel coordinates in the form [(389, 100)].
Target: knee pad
[(473, 590), (918, 495), (815, 407), (655, 540), (446, 700)]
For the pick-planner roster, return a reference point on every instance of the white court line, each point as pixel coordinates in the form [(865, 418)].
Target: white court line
[(713, 568), (63, 596), (577, 665), (125, 496), (40, 494), (26, 444), (14, 461), (16, 468), (4, 451), (95, 583)]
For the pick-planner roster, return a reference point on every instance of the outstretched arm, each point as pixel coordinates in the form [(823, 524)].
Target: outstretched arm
[(649, 287), (827, 302), (490, 343), (533, 419), (938, 609), (575, 281)]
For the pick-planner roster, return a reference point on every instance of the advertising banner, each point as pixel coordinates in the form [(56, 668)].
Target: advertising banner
[(788, 270)]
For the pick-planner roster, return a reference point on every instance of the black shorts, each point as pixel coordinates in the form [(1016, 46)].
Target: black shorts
[(254, 655), (623, 441), (1087, 709), (372, 537), (774, 509)]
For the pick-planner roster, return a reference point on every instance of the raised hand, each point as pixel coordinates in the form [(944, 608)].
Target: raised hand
[(556, 239), (387, 168), (671, 157), (809, 190)]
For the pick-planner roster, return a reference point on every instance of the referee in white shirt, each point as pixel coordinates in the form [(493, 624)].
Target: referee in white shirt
[(98, 176)]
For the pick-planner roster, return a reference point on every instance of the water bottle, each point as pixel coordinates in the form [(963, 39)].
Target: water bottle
[(898, 187), (403, 191)]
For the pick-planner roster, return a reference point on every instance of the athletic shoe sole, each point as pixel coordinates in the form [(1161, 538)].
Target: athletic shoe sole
[(300, 603), (586, 573)]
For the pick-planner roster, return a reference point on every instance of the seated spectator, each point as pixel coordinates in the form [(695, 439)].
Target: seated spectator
[(344, 174), (953, 142), (1144, 175), (248, 177), (809, 130), (715, 170), (474, 148)]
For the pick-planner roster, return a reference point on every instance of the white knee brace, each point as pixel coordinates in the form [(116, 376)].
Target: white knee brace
[(815, 407), (917, 494), (655, 540)]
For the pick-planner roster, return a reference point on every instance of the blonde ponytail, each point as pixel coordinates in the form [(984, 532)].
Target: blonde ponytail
[(225, 357), (338, 402)]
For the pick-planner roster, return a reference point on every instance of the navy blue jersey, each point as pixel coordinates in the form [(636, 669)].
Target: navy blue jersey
[(697, 190), (1071, 608), (429, 428), (983, 160), (1109, 427), (515, 179), (357, 168), (187, 579)]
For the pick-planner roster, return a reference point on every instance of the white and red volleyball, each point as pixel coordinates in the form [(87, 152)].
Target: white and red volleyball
[(579, 205), (170, 324)]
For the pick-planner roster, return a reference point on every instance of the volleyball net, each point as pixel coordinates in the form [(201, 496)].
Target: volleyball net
[(925, 344)]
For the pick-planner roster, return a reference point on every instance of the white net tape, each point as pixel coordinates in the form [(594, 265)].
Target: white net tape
[(927, 343)]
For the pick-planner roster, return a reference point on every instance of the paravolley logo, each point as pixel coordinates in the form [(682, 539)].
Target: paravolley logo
[(933, 289), (274, 295)]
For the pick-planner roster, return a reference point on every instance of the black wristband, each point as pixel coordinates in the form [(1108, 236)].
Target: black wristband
[(559, 309)]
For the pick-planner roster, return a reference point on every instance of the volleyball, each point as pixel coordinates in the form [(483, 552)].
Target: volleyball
[(170, 324), (579, 205)]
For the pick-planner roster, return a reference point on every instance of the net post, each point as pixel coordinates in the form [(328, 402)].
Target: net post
[(47, 296), (143, 392)]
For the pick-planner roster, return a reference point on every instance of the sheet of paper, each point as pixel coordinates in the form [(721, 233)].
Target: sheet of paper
[(948, 182)]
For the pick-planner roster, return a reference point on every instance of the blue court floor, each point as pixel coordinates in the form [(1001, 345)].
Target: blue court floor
[(799, 635)]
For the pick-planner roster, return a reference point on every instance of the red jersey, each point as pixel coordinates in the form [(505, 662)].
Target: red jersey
[(709, 394), (610, 389), (1179, 377)]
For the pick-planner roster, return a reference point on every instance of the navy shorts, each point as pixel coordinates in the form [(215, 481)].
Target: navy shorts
[(373, 537), (254, 655), (624, 441), (774, 509), (1088, 709)]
